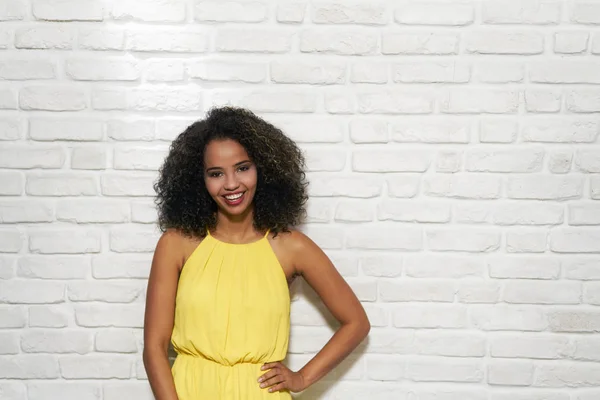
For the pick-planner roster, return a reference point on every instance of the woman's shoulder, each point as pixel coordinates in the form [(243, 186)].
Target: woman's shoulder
[(293, 240), (178, 244)]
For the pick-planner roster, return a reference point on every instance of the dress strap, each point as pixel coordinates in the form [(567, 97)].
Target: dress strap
[(267, 234)]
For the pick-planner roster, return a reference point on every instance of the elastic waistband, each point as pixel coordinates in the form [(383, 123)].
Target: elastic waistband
[(201, 359)]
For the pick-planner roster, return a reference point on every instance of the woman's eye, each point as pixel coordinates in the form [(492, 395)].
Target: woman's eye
[(214, 174), (244, 168)]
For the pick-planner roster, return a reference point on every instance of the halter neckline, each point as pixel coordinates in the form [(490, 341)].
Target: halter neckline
[(238, 244)]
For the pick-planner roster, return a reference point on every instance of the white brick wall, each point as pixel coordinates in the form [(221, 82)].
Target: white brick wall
[(454, 165)]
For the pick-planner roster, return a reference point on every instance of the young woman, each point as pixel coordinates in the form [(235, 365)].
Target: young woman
[(229, 194)]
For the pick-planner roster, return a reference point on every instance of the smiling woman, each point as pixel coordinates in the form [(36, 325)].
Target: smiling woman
[(230, 193)]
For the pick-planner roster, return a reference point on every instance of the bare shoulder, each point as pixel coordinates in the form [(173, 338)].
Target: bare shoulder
[(293, 246), (176, 247)]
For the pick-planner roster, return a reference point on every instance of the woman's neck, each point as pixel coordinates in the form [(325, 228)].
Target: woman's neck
[(236, 228)]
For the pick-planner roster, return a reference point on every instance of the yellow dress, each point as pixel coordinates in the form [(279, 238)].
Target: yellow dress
[(232, 315)]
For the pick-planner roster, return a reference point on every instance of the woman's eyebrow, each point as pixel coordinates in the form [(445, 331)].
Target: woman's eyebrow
[(235, 165)]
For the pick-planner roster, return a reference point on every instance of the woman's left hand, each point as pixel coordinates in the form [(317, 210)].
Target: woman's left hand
[(281, 377)]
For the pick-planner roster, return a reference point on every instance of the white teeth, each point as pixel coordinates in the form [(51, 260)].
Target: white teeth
[(234, 196)]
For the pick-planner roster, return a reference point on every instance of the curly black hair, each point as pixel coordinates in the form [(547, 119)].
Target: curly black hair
[(182, 199)]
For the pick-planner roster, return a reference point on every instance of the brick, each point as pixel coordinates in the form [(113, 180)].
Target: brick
[(529, 345), (52, 98), (29, 366), (12, 316), (133, 239), (121, 292), (368, 131), (369, 72), (504, 160), (588, 160), (149, 11), (575, 240), (335, 13), (391, 160), (138, 158), (64, 390), (115, 341), (80, 130), (430, 316), (23, 211), (131, 390), (431, 72), (437, 369), (230, 11), (431, 131), (385, 367), (356, 185), (369, 238), (473, 240), (68, 10), (92, 211), (219, 71), (27, 68), (571, 42), (586, 349), (591, 293), (110, 315), (136, 266), (61, 184), (510, 373), (504, 42), (318, 159), (167, 129), (544, 187), (574, 321), (525, 12), (582, 269), (138, 184), (13, 10), (13, 390), (554, 130), (291, 11), (583, 101), (542, 101), (497, 130), (585, 12), (464, 186), (93, 158), (500, 71), (526, 241), (259, 40), (409, 211), (572, 375), (53, 267), (392, 102), (528, 213), (584, 214), (308, 72), (415, 13), (64, 241), (148, 100), (356, 42), (133, 130), (11, 128), (44, 38), (54, 316), (328, 237), (7, 267), (507, 317), (340, 102), (428, 290), (381, 266), (102, 69), (435, 43), (143, 212), (447, 266), (533, 292), (595, 187), (31, 292), (56, 341), (11, 241), (319, 210), (559, 161), (403, 185), (450, 344), (170, 41), (95, 367), (267, 101), (101, 39), (8, 99), (520, 267), (479, 100), (164, 71), (565, 71)]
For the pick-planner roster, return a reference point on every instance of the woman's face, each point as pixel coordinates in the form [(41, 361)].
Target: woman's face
[(229, 176)]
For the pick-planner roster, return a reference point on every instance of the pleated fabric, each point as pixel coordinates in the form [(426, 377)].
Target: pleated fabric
[(232, 315)]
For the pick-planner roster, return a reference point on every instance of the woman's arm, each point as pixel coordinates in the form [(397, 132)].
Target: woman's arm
[(160, 312), (318, 271)]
